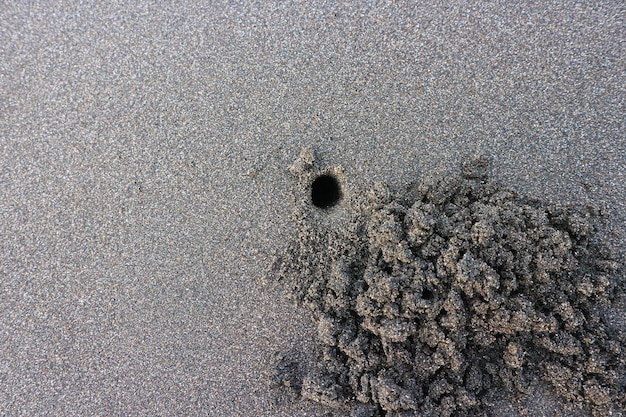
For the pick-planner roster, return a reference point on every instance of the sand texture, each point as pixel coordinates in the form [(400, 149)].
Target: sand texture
[(439, 300), (147, 184)]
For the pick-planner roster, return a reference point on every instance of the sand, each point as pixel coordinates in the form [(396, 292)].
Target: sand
[(144, 183), (444, 297)]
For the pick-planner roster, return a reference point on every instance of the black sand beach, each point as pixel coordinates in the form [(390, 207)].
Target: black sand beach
[(145, 185)]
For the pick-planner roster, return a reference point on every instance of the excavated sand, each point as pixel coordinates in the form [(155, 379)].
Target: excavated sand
[(443, 298)]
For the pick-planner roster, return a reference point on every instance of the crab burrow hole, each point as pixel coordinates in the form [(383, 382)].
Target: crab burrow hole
[(325, 191)]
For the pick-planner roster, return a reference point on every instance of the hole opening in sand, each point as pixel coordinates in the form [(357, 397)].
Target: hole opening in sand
[(325, 191), (427, 294)]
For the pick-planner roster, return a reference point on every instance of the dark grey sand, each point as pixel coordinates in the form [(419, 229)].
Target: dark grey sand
[(144, 180), (455, 292)]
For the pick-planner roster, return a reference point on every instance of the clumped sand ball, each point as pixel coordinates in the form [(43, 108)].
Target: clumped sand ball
[(435, 301)]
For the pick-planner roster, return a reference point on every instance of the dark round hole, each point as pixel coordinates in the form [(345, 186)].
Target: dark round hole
[(427, 294), (325, 191)]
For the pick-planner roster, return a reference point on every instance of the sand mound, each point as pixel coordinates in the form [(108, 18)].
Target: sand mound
[(435, 301)]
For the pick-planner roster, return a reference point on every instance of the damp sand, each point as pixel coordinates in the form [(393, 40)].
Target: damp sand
[(448, 297)]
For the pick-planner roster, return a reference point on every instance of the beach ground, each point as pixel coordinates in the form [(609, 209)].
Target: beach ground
[(144, 183)]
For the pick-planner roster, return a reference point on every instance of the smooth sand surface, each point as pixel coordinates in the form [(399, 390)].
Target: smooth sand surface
[(144, 182)]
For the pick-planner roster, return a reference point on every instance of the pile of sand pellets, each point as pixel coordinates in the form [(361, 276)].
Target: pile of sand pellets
[(437, 300)]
